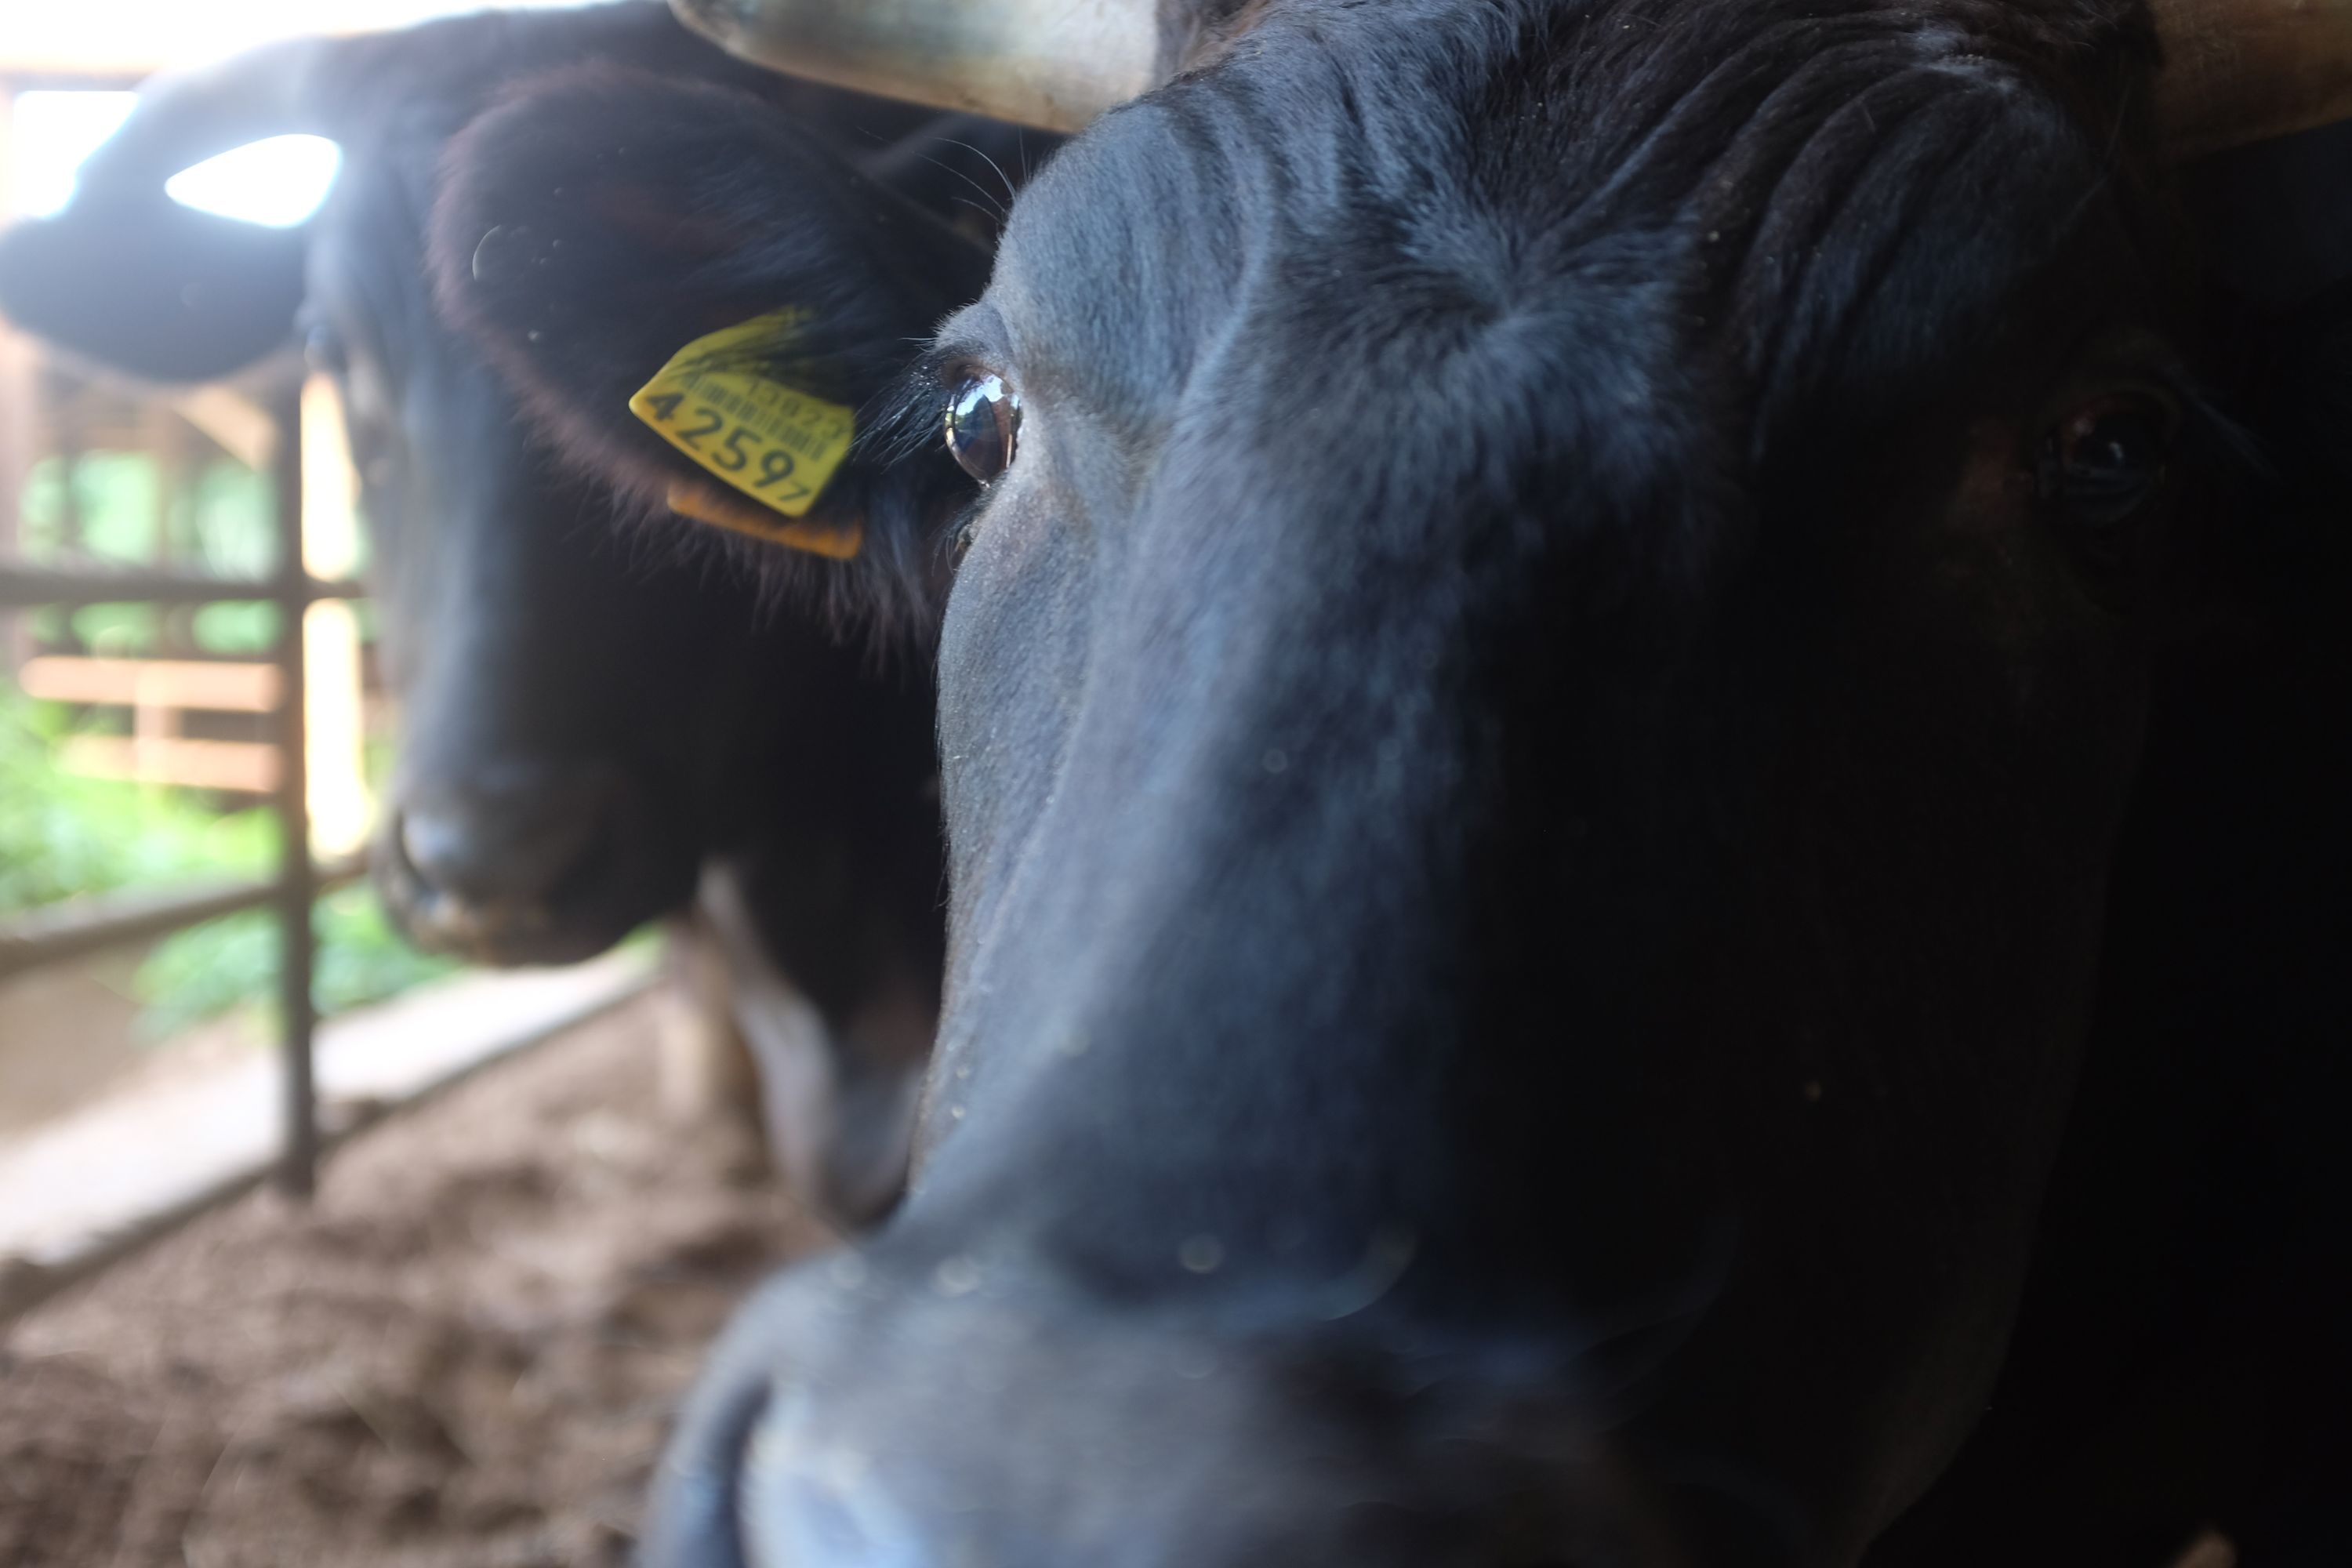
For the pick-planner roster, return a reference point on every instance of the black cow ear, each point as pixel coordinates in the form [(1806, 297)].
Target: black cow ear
[(128, 277), (600, 221), (151, 288)]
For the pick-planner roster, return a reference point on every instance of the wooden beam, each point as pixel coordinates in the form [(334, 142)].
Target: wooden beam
[(246, 767), (221, 688), (232, 421)]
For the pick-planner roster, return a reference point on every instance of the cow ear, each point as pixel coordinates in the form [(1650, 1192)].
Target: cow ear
[(128, 277), (151, 288), (599, 221)]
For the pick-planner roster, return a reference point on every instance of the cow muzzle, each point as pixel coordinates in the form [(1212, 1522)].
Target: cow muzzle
[(850, 1421), (525, 863)]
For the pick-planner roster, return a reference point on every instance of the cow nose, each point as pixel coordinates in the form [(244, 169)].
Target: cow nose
[(855, 1417), (535, 865), (829, 1514), (511, 847)]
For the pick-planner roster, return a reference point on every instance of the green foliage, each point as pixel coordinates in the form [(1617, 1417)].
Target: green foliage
[(229, 963), (206, 970), (247, 631), (118, 631), (222, 518), (219, 522), (115, 494), (62, 835), (360, 958), (230, 516)]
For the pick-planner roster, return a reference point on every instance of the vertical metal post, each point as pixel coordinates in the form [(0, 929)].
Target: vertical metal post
[(16, 417), (16, 444), (298, 1170)]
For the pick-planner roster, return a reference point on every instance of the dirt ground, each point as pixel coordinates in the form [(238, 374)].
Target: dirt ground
[(466, 1352), (66, 1032)]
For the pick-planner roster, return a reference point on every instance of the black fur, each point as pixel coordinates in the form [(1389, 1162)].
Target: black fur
[(598, 221)]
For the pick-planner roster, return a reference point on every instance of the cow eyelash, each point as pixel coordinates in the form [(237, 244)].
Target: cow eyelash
[(904, 420), (905, 417)]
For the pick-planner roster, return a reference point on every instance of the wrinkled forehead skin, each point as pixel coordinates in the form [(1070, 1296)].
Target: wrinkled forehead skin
[(1511, 716), (1618, 277), (1524, 313)]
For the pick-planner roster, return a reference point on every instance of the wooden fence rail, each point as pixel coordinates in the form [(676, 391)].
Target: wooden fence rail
[(158, 692)]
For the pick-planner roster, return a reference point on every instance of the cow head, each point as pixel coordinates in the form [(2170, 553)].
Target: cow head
[(1554, 617), (591, 712), (586, 714)]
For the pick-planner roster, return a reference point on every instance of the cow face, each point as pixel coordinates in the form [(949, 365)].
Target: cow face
[(1560, 688), (593, 715), (568, 709), (1549, 644), (586, 715)]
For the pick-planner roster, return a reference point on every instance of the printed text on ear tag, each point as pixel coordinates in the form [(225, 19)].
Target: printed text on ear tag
[(718, 402)]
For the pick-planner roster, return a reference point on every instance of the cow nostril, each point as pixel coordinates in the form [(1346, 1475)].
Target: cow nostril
[(435, 845), (696, 1520), (511, 850), (806, 1501)]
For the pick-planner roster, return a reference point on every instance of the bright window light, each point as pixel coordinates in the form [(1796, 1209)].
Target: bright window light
[(279, 180), (52, 132)]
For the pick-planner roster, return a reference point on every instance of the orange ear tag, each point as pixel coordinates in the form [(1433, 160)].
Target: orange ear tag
[(707, 503), (716, 402)]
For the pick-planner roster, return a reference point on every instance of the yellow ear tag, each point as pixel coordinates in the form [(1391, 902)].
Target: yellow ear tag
[(716, 401)]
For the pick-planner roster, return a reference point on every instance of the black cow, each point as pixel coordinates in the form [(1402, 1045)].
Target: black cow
[(589, 720), (1580, 625)]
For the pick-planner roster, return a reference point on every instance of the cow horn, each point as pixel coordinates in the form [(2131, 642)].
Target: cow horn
[(2236, 71), (2245, 70), (1050, 63)]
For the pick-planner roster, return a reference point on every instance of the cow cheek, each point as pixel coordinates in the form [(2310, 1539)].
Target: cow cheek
[(1013, 650)]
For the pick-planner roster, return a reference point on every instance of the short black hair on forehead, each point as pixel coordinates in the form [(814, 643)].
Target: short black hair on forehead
[(1848, 195)]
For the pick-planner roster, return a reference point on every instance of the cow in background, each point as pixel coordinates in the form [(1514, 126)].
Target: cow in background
[(1644, 734), (593, 718)]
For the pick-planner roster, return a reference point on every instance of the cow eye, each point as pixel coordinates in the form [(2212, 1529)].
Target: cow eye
[(2103, 461), (983, 425)]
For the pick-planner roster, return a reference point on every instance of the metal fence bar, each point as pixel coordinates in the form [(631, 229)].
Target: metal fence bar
[(298, 1171), (49, 935), (26, 587), (77, 927), (25, 1282)]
